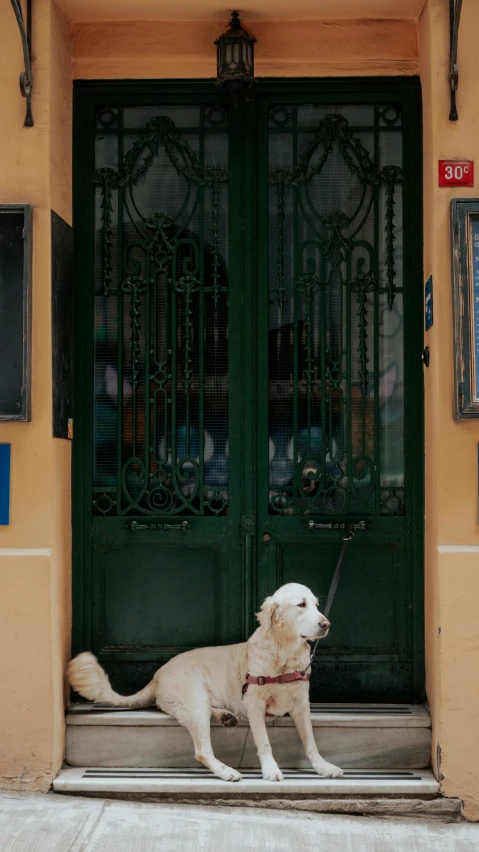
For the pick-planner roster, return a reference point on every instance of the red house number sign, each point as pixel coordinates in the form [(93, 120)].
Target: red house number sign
[(456, 173)]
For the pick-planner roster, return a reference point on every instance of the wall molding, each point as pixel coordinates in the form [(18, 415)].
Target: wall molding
[(25, 551), (458, 548)]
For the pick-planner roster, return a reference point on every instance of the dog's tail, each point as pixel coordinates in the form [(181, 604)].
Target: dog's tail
[(87, 677)]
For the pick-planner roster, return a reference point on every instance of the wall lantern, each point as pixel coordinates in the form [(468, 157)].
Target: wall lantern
[(235, 56)]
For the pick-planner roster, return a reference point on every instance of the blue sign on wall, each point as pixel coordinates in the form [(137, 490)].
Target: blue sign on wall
[(428, 305), (4, 484)]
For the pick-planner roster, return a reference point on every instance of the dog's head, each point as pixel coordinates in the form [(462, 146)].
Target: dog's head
[(294, 609)]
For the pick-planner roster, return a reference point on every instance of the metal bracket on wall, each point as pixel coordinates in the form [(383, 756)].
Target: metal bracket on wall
[(455, 7), (26, 84)]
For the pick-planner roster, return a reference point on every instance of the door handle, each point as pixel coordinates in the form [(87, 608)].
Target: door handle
[(360, 526), (133, 526)]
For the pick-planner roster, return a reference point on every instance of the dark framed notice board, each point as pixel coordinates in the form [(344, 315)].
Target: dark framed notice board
[(465, 276), (15, 311), (62, 325)]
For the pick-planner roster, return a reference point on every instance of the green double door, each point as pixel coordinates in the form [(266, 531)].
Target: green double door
[(248, 372)]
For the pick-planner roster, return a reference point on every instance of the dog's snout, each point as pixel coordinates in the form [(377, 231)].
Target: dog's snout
[(324, 624)]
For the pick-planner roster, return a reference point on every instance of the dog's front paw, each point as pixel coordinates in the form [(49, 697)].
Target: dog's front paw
[(329, 770), (229, 720), (233, 775), (227, 773), (271, 770)]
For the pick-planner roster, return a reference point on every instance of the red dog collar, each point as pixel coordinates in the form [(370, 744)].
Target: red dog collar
[(289, 677)]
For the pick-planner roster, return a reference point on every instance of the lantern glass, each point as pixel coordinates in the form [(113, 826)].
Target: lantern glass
[(235, 57)]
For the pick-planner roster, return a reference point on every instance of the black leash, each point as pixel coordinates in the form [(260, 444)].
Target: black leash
[(337, 572), (350, 531)]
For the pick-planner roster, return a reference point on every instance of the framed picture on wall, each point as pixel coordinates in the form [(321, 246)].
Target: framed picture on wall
[(15, 311), (465, 278)]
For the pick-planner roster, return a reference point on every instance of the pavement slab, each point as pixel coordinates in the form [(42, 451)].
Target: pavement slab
[(55, 823)]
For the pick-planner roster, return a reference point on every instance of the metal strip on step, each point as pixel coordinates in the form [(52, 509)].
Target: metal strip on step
[(255, 774), (364, 710), (354, 709)]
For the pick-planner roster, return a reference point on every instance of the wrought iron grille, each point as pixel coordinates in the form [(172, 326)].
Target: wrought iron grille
[(336, 372), (161, 280)]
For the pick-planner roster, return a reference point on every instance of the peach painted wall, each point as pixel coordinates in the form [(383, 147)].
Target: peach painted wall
[(169, 49), (35, 549), (452, 531)]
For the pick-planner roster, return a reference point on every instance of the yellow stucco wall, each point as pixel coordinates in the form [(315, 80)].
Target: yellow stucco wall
[(452, 531), (35, 549), (35, 559)]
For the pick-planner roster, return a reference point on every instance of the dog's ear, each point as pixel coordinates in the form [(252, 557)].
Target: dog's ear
[(271, 614)]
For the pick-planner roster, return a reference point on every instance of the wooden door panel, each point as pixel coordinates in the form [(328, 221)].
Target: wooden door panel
[(370, 575), (157, 594), (368, 679)]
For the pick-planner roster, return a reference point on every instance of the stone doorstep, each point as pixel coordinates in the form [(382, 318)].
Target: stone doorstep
[(296, 782), (142, 764), (352, 736)]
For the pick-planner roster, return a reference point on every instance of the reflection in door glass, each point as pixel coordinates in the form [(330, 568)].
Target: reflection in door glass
[(336, 373), (161, 284)]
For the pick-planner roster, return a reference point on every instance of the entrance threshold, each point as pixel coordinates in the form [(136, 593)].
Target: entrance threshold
[(353, 736), (296, 782), (145, 754)]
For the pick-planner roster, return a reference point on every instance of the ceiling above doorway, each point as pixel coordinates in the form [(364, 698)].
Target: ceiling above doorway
[(192, 10)]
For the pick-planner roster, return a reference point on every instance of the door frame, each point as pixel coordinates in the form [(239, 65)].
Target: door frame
[(244, 154)]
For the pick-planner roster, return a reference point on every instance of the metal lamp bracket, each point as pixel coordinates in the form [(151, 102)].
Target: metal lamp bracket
[(455, 7), (26, 84)]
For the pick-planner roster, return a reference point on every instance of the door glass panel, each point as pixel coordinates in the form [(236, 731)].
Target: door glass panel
[(336, 372), (161, 283)]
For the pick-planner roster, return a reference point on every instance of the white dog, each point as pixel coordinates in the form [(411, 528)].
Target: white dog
[(266, 676)]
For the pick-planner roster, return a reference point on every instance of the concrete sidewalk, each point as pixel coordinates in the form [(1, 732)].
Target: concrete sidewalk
[(53, 823)]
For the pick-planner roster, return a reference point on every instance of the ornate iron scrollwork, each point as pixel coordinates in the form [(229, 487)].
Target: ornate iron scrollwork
[(334, 279), (26, 82), (455, 7), (163, 280), (362, 284)]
